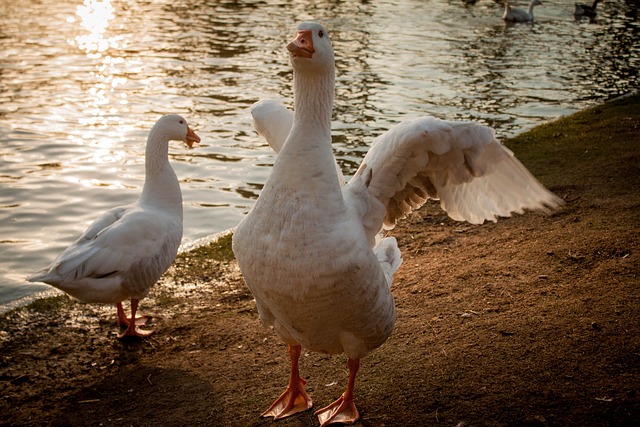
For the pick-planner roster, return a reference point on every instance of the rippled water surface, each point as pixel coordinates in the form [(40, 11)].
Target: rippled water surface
[(81, 83)]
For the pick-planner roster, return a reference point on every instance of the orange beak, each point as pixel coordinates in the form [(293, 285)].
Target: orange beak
[(302, 44), (191, 137)]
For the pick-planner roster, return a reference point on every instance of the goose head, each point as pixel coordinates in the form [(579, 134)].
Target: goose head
[(175, 128), (311, 49)]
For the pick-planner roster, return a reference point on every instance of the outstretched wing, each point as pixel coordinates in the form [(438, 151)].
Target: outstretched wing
[(272, 121), (475, 177)]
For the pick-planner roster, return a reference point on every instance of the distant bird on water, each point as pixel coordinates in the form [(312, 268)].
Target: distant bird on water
[(125, 251), (586, 10), (519, 15)]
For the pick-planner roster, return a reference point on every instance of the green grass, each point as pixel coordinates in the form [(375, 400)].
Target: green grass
[(46, 305), (219, 250)]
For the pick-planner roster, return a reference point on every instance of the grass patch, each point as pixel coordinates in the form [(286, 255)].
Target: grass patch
[(47, 305), (219, 250)]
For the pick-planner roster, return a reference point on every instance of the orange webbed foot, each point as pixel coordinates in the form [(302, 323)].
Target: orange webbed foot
[(341, 411), (293, 400), (124, 321), (132, 326), (344, 409)]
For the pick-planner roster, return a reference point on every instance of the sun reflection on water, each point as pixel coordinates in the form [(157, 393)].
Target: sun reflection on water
[(106, 102), (95, 17), (90, 182)]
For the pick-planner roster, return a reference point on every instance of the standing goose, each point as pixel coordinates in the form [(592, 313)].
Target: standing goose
[(519, 15), (311, 250), (126, 250)]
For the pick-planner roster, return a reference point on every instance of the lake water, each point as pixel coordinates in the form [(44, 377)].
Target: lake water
[(81, 83)]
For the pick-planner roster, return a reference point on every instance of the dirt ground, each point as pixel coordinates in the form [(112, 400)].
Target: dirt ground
[(532, 321)]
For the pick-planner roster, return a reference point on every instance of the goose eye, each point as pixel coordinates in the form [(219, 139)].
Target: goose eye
[(181, 122), (320, 33)]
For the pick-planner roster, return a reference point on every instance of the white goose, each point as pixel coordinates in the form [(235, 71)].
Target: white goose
[(310, 249), (126, 250), (519, 15)]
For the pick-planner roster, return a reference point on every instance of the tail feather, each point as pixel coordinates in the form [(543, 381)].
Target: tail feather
[(44, 276), (386, 249)]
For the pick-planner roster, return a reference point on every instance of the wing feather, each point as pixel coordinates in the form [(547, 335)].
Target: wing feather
[(129, 241), (475, 177), (462, 164), (272, 121)]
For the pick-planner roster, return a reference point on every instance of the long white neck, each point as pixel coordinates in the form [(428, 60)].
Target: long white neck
[(308, 153), (161, 186), (313, 103)]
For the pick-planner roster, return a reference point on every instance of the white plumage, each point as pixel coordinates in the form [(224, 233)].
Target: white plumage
[(311, 250), (519, 15), (126, 250)]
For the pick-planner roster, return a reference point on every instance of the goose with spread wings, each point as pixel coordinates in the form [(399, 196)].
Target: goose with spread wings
[(311, 249)]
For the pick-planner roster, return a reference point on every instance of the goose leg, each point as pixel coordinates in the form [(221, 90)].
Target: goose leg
[(344, 409), (132, 327), (294, 399), (123, 321)]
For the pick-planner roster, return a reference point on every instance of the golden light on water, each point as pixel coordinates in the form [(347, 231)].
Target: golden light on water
[(106, 103), (95, 17), (85, 182)]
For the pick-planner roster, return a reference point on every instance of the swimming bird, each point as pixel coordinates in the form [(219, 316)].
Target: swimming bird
[(126, 249), (586, 10), (519, 15), (312, 250)]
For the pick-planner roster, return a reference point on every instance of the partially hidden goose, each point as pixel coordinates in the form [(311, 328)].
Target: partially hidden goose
[(126, 250), (519, 15), (586, 10), (311, 250)]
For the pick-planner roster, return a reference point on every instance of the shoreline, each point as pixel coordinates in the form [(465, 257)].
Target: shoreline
[(203, 241)]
